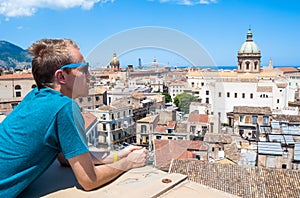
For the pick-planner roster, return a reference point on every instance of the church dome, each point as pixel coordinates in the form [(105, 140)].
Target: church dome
[(249, 46), (114, 61)]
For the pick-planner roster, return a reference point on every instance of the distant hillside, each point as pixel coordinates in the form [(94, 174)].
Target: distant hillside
[(13, 56)]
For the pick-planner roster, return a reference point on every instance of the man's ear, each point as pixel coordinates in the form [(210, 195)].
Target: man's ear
[(59, 75)]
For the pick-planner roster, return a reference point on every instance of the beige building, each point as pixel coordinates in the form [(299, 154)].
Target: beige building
[(96, 98), (197, 124), (15, 85), (246, 120), (145, 128), (168, 132)]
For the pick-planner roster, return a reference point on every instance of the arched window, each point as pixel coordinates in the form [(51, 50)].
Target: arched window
[(247, 65), (18, 87), (255, 65), (18, 93)]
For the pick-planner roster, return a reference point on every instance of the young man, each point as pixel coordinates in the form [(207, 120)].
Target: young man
[(48, 124)]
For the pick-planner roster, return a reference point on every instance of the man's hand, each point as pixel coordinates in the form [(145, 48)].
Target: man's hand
[(127, 150), (137, 158)]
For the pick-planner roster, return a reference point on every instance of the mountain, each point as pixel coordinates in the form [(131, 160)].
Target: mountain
[(13, 56)]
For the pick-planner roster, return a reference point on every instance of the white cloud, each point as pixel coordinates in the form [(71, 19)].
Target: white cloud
[(189, 2), (15, 8)]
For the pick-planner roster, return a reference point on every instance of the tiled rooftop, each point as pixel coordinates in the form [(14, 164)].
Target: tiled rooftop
[(89, 118), (198, 118), (16, 76), (252, 110), (287, 69), (247, 182), (166, 150)]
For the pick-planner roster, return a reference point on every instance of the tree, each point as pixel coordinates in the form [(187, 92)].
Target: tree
[(183, 101), (168, 97)]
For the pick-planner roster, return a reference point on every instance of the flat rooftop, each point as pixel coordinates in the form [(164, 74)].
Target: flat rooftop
[(147, 181)]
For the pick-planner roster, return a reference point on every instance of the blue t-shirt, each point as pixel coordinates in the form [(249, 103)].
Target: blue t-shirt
[(42, 125)]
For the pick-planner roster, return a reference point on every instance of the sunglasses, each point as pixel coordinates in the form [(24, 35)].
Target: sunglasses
[(84, 65)]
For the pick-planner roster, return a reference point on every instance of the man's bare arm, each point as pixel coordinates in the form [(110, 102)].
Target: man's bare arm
[(90, 176)]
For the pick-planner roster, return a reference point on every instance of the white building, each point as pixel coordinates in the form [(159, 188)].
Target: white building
[(176, 88), (115, 125), (248, 86)]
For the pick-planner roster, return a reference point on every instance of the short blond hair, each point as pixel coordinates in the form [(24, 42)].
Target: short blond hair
[(48, 56)]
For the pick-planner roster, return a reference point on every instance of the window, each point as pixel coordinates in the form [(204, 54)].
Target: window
[(243, 95), (265, 119), (228, 94), (220, 94), (277, 100), (33, 86), (17, 87), (284, 166), (143, 128), (235, 95), (89, 99), (251, 95), (158, 137), (242, 117), (192, 129), (207, 92), (104, 127), (97, 98), (207, 100), (18, 94), (254, 119), (247, 65), (255, 65), (169, 138), (193, 84)]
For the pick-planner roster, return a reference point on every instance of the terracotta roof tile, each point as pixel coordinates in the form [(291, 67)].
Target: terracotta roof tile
[(198, 117), (89, 118), (166, 150), (171, 125), (138, 95), (17, 76), (240, 180), (252, 110), (160, 128), (287, 69)]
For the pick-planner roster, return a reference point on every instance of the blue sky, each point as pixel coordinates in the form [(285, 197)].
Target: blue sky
[(218, 26)]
